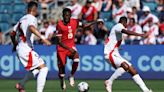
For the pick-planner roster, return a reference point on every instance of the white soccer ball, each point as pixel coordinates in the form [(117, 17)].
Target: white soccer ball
[(83, 87)]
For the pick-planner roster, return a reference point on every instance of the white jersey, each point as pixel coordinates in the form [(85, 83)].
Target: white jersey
[(90, 39), (76, 10), (28, 57), (143, 19), (48, 31), (136, 28), (25, 37), (119, 13), (153, 33), (114, 39)]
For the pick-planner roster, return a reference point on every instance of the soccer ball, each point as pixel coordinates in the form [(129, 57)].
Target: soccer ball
[(83, 87)]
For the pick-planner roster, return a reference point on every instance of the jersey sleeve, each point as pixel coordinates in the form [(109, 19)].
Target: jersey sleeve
[(120, 27), (94, 10), (58, 30), (156, 20), (76, 21), (32, 22), (83, 10)]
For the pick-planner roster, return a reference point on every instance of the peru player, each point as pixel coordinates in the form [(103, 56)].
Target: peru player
[(24, 31), (65, 33), (111, 52)]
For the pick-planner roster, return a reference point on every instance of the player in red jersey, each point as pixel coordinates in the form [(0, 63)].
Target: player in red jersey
[(65, 33)]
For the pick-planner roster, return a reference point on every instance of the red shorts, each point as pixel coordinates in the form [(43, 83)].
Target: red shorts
[(62, 56)]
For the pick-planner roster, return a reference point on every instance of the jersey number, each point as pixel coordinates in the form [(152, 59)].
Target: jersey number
[(70, 35)]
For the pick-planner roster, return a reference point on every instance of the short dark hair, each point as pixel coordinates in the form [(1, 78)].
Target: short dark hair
[(123, 19), (66, 10), (32, 4), (133, 20)]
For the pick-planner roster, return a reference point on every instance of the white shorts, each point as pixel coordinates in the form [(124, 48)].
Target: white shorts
[(29, 58), (115, 59)]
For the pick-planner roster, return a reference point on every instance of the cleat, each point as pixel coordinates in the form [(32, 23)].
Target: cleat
[(149, 91), (71, 81), (108, 86), (63, 84), (19, 87)]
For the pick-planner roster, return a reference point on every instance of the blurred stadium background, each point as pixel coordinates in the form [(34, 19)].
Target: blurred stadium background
[(148, 58)]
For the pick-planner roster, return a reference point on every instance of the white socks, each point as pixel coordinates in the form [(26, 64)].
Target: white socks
[(136, 78), (41, 79), (116, 74), (140, 83)]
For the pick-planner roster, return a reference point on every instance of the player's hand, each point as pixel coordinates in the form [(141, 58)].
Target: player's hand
[(73, 52), (47, 42)]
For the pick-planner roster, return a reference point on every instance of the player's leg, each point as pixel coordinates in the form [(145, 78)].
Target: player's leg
[(41, 79), (23, 57), (138, 80), (21, 85), (61, 56), (112, 58), (76, 60), (29, 75), (38, 63)]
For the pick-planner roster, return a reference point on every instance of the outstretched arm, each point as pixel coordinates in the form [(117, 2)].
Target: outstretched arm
[(36, 32), (133, 33)]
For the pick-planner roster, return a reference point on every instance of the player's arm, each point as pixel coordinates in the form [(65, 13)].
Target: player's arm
[(133, 33), (13, 39), (89, 24), (59, 42), (36, 32), (146, 21), (95, 16)]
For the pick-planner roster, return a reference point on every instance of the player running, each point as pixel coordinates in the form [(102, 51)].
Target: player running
[(22, 37), (111, 52), (65, 33)]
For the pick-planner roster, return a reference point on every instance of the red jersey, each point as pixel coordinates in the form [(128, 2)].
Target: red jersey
[(67, 32), (89, 12)]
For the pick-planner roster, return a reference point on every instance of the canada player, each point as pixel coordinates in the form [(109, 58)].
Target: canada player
[(65, 33), (22, 37), (111, 52)]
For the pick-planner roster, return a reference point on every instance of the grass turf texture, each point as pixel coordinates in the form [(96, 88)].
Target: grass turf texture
[(95, 86)]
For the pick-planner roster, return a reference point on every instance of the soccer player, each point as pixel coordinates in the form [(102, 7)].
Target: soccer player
[(65, 33), (24, 31), (111, 52)]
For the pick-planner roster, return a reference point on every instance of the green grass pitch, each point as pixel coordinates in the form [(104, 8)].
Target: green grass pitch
[(95, 86)]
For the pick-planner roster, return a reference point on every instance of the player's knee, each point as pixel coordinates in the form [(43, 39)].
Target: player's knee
[(132, 71), (76, 55), (125, 66)]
